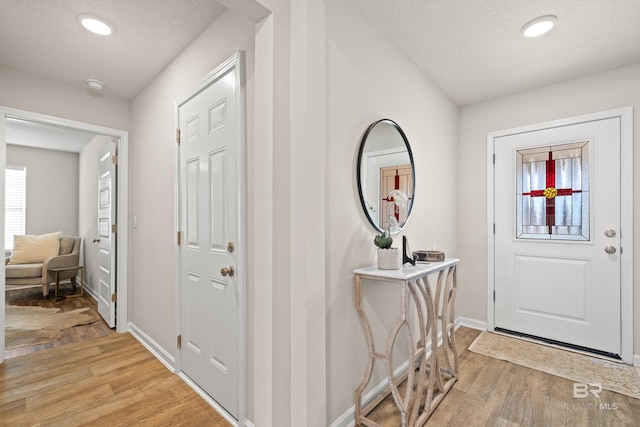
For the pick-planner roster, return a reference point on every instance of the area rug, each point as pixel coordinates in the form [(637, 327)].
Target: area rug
[(27, 325), (613, 376)]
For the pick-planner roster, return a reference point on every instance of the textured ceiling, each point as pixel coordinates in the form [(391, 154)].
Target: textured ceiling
[(45, 38), (473, 50)]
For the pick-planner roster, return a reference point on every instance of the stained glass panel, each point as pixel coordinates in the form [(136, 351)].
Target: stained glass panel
[(552, 192)]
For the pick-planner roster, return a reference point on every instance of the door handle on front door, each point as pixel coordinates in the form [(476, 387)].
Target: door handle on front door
[(610, 249), (227, 271), (96, 240)]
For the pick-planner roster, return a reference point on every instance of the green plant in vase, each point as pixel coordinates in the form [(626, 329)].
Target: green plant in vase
[(383, 241), (388, 257)]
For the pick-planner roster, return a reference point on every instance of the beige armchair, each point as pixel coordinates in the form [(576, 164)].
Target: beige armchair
[(36, 274)]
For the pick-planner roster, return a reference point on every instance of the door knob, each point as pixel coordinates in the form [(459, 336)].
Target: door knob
[(610, 233), (231, 246), (96, 240), (610, 249), (227, 271)]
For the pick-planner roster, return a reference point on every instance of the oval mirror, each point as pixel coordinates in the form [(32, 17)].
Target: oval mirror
[(386, 176)]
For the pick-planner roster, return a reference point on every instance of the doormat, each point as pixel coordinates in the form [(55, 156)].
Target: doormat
[(28, 325), (617, 377)]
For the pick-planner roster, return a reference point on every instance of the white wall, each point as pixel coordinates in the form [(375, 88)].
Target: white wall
[(152, 180), (599, 92), (369, 79), (31, 93), (52, 189)]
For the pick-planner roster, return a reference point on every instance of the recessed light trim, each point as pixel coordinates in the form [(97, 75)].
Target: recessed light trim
[(95, 85), (539, 26), (95, 25)]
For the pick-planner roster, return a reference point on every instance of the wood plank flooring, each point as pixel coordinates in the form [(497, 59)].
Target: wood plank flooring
[(492, 392), (33, 297), (105, 381), (93, 376), (100, 378)]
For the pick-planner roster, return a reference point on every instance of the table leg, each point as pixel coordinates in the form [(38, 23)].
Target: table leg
[(402, 404), (57, 284), (370, 351)]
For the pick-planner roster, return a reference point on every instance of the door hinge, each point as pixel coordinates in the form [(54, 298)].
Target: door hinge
[(494, 228), (179, 341), (494, 158), (114, 228), (114, 160), (114, 297), (178, 136), (179, 238), (494, 296)]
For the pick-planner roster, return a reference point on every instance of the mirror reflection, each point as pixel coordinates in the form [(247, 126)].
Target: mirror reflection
[(386, 176)]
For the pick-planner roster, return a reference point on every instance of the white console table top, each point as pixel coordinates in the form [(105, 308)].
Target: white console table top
[(407, 272)]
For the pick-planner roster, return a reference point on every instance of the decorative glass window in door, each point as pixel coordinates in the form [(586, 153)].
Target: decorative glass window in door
[(552, 192), (392, 178)]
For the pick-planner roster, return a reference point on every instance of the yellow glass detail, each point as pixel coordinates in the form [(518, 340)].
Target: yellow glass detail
[(550, 193)]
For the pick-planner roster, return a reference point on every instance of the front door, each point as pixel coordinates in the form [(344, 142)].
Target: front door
[(210, 274), (107, 233), (557, 234)]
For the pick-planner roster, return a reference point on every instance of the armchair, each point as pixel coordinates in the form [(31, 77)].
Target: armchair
[(36, 274)]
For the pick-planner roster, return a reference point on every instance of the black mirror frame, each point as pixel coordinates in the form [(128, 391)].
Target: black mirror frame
[(359, 174)]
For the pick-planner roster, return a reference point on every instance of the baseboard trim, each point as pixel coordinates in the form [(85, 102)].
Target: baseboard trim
[(160, 353), (347, 419), (471, 323), (636, 360), (91, 292)]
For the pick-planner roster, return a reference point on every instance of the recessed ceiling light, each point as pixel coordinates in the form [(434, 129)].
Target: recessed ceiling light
[(539, 26), (95, 85), (95, 25)]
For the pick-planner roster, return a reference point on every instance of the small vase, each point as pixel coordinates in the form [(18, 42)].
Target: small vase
[(389, 259)]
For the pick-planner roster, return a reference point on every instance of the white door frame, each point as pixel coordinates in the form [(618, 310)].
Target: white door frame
[(235, 61), (626, 234), (123, 201)]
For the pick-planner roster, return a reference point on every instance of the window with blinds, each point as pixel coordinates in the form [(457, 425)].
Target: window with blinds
[(14, 203)]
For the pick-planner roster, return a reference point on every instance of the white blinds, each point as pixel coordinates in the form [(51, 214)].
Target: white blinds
[(14, 202)]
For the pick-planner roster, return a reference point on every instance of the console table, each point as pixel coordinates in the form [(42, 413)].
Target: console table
[(428, 376)]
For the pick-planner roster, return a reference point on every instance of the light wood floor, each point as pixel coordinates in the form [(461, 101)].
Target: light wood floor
[(93, 376), (33, 297), (105, 381), (492, 392), (112, 380)]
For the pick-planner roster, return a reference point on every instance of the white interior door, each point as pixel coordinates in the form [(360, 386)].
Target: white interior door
[(107, 234), (210, 293), (557, 234)]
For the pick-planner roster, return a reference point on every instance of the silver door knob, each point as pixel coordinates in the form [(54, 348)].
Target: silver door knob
[(227, 271), (610, 233), (610, 249)]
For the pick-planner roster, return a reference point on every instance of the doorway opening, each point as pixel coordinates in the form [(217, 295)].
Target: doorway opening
[(41, 123)]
